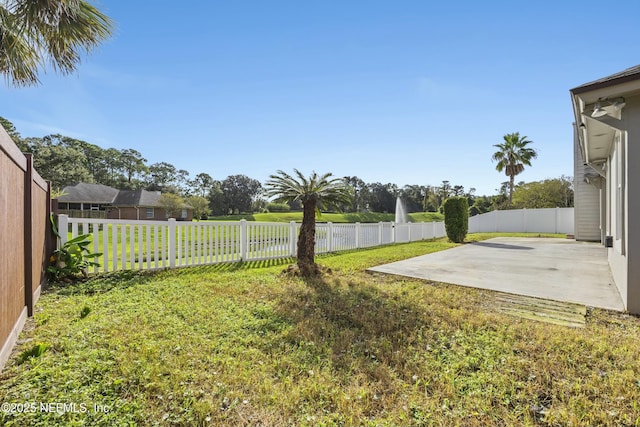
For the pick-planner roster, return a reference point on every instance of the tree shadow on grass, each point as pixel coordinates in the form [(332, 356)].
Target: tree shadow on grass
[(359, 327), (233, 266)]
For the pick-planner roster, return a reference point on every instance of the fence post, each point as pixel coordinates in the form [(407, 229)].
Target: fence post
[(557, 218), (63, 228), (524, 220), (329, 237), (28, 235), (380, 231), (393, 232), (433, 229), (357, 235), (292, 238), (172, 242), (243, 239)]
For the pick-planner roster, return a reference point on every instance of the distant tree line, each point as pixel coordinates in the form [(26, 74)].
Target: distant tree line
[(64, 161)]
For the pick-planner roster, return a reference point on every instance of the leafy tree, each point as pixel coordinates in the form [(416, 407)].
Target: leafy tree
[(172, 204), (95, 158), (13, 133), (182, 181), (431, 202), (481, 205), (444, 192), (470, 195), (57, 161), (383, 197), (216, 199), (549, 193), (132, 165), (316, 192), (201, 184), (458, 190), (512, 155), (200, 206), (413, 197), (161, 176), (359, 194), (239, 192), (55, 31), (111, 167)]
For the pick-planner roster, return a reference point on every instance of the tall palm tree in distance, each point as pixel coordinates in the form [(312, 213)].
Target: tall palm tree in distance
[(34, 32), (315, 193), (512, 155)]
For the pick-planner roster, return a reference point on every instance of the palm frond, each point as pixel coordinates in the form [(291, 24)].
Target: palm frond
[(55, 31), (327, 192)]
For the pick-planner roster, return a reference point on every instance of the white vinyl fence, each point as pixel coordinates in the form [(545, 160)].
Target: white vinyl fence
[(128, 244), (551, 220)]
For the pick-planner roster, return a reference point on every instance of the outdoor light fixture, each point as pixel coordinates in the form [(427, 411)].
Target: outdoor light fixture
[(598, 110), (619, 104), (614, 105)]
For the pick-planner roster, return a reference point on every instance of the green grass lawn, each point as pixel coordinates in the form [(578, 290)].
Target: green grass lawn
[(242, 344), (331, 217)]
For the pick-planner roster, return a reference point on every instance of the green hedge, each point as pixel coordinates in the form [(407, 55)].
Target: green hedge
[(456, 218), (278, 207)]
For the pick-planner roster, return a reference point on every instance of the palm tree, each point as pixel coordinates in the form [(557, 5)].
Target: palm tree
[(512, 155), (33, 32), (315, 193)]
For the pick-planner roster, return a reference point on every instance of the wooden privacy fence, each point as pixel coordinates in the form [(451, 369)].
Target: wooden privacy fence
[(25, 240), (126, 244)]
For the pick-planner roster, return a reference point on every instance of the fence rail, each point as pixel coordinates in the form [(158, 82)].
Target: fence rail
[(150, 245)]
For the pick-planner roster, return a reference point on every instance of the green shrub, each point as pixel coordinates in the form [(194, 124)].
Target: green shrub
[(72, 258), (278, 207), (456, 218)]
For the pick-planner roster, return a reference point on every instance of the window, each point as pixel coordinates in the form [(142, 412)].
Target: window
[(183, 214), (150, 213)]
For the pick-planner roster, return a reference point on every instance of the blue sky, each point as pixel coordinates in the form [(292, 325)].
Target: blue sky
[(408, 92)]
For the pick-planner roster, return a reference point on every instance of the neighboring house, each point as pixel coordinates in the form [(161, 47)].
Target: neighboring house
[(142, 204), (607, 154), (100, 201), (86, 200)]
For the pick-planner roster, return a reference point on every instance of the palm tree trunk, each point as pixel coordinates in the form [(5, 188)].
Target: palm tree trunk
[(307, 239), (511, 181)]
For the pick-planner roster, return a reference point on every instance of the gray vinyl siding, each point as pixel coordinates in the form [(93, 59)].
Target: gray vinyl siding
[(587, 201)]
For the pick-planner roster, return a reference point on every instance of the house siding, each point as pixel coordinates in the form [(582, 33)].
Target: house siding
[(139, 213), (586, 199), (624, 255), (631, 118)]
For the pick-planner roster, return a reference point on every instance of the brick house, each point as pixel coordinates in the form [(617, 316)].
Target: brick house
[(100, 201)]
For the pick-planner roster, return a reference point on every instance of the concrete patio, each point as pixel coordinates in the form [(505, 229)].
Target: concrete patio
[(556, 269)]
